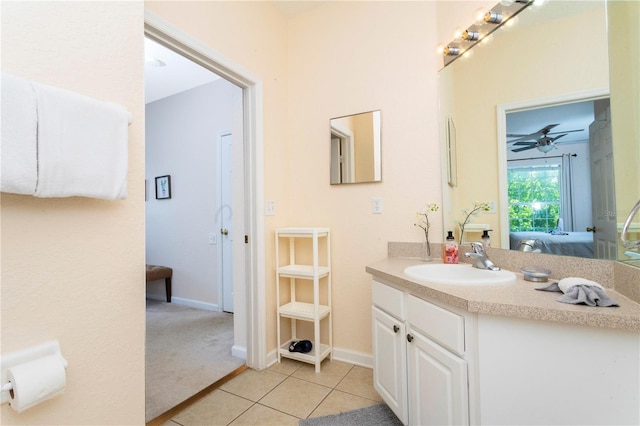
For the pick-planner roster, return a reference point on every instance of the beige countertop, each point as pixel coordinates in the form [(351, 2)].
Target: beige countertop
[(519, 300)]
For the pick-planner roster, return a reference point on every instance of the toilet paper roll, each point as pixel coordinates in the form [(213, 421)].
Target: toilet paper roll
[(36, 381)]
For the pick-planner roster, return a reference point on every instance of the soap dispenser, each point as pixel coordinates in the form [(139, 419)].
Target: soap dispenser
[(486, 239), (450, 249)]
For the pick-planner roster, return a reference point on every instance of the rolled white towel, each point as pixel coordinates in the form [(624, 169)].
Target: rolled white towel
[(566, 283)]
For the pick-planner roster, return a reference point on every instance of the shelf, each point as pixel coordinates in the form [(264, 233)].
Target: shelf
[(302, 271), (325, 350), (309, 273), (302, 232), (303, 311)]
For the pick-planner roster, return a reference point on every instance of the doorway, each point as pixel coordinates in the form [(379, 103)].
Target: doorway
[(248, 250)]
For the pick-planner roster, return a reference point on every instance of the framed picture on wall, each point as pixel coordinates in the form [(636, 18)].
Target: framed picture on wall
[(163, 187)]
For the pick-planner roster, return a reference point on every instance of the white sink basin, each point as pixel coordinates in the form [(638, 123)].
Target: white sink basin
[(459, 274)]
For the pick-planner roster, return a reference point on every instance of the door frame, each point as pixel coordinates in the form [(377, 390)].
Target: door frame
[(253, 326), (501, 115)]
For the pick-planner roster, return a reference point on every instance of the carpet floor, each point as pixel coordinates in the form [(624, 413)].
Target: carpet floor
[(187, 349)]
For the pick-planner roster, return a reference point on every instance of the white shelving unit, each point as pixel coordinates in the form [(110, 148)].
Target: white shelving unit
[(299, 275)]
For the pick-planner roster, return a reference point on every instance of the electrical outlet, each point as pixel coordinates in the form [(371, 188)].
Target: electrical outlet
[(213, 238), (492, 207), (376, 205), (270, 209)]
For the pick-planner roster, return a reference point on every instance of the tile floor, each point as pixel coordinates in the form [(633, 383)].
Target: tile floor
[(282, 395)]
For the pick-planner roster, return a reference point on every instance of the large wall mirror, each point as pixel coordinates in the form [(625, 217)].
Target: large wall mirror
[(355, 148), (535, 102)]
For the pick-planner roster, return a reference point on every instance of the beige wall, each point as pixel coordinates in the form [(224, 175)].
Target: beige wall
[(346, 58), (72, 269)]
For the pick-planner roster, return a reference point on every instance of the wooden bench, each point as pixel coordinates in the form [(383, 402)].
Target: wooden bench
[(155, 272)]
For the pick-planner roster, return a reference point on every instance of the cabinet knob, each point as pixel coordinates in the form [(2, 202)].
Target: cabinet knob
[(409, 338), (395, 328), (224, 231), (590, 229)]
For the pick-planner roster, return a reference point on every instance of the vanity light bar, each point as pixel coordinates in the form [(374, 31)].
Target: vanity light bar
[(500, 14)]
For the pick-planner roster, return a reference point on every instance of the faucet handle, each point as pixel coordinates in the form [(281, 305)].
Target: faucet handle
[(478, 248)]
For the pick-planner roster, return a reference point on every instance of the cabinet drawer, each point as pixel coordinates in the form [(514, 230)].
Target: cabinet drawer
[(388, 299), (443, 326)]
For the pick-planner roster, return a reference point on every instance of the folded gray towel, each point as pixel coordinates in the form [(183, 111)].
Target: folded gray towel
[(582, 294)]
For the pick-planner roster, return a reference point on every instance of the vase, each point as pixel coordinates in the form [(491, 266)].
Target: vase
[(425, 252)]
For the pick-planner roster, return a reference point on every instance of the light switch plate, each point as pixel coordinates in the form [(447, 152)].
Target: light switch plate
[(376, 205), (270, 208)]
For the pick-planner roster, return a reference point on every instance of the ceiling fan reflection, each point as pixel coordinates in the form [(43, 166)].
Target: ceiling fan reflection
[(540, 139)]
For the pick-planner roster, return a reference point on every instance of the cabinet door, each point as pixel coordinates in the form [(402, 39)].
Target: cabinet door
[(438, 389), (390, 362)]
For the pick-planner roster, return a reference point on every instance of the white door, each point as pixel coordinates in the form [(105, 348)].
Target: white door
[(438, 389), (390, 362), (604, 227), (225, 220)]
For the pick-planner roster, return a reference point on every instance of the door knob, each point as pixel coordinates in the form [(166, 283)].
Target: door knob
[(409, 338), (396, 328), (224, 231), (591, 229)]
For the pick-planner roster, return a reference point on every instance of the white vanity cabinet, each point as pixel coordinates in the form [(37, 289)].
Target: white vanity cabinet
[(420, 367), (438, 364)]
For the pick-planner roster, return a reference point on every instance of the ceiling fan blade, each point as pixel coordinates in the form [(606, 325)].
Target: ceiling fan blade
[(558, 137), (524, 138), (566, 131), (523, 149), (525, 143), (546, 128), (532, 136)]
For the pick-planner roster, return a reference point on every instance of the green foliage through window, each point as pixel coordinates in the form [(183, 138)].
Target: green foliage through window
[(534, 198)]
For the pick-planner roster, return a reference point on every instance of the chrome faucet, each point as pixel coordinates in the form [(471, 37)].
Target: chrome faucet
[(480, 259)]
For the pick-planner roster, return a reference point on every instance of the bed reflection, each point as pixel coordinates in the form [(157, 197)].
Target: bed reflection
[(564, 243)]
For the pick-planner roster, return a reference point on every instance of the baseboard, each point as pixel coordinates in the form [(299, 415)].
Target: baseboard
[(239, 352), (193, 303), (272, 358), (342, 355), (353, 357)]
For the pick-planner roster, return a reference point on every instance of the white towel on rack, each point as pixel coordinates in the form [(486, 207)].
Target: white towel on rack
[(19, 162), (82, 146)]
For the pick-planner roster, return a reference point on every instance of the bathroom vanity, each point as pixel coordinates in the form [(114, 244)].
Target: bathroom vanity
[(503, 354)]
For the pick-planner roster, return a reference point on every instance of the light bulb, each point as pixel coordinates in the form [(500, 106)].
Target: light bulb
[(471, 35), (493, 17), (451, 51)]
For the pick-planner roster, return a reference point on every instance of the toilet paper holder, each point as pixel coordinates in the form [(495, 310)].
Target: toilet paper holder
[(20, 357)]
